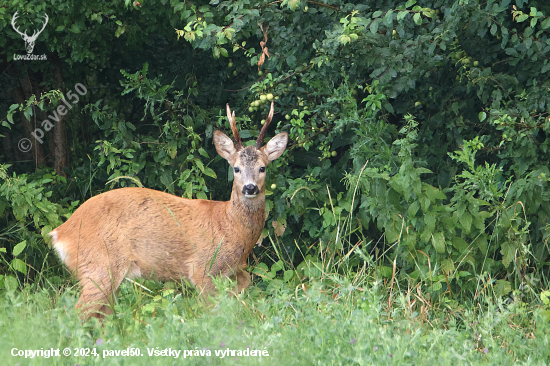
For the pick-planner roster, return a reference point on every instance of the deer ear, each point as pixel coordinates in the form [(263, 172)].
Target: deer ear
[(224, 146), (276, 146)]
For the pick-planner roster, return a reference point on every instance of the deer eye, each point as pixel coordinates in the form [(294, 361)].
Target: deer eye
[(262, 169), (236, 169)]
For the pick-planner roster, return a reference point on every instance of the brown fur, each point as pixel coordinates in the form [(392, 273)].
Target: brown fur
[(139, 232)]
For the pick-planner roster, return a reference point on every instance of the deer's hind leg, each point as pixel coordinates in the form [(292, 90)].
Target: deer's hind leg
[(97, 289)]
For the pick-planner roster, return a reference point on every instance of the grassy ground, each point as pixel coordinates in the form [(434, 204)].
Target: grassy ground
[(308, 325)]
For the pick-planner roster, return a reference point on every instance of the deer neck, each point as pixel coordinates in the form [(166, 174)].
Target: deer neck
[(249, 212)]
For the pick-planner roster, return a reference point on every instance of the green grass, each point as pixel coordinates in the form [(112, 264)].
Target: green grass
[(310, 325)]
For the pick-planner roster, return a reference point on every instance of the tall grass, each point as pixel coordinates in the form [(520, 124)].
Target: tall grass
[(310, 324)]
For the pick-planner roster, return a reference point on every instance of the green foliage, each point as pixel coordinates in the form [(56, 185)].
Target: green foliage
[(30, 216), (29, 199), (174, 158), (418, 131)]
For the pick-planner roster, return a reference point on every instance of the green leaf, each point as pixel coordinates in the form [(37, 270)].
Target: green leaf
[(454, 107), (429, 220), (459, 244), (119, 31), (344, 39), (19, 248), (277, 266), (438, 240), (288, 275), (166, 179), (75, 29), (172, 148), (545, 23), (447, 266), (377, 13), (433, 193), (293, 4), (502, 288), (482, 116), (417, 19), (385, 271), (261, 270), (374, 26), (388, 19), (413, 209), (185, 175), (466, 221), (392, 232), (522, 18), (507, 252), (19, 265), (28, 112), (209, 172), (436, 286), (203, 152), (200, 165)]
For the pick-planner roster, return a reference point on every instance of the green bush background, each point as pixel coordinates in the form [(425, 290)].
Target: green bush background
[(418, 130)]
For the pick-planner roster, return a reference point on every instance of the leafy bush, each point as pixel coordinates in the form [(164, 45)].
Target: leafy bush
[(418, 131)]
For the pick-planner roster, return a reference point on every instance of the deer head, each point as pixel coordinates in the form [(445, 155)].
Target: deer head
[(29, 40), (249, 163)]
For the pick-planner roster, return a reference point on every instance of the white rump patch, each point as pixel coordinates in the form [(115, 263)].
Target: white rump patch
[(60, 247)]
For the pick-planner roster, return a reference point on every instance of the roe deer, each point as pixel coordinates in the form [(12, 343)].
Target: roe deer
[(135, 232)]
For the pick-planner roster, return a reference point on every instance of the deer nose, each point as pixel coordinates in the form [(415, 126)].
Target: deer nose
[(250, 190)]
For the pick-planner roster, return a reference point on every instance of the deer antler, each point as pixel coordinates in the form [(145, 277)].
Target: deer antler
[(35, 33), (45, 23), (13, 19), (231, 118), (260, 139)]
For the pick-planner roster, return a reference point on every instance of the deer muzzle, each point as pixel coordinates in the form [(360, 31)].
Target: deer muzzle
[(250, 190)]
